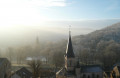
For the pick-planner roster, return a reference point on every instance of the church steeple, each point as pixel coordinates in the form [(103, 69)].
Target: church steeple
[(69, 49), (70, 60)]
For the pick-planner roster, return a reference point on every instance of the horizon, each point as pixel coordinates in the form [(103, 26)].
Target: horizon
[(37, 12), (50, 19), (25, 35)]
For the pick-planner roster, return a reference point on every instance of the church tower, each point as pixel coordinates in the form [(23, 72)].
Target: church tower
[(70, 61)]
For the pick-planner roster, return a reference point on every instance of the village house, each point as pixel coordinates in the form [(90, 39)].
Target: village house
[(5, 68), (22, 73)]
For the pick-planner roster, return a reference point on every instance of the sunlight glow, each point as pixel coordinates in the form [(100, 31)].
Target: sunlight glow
[(24, 12)]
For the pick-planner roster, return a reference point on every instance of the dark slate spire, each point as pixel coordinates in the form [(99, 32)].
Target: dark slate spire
[(69, 49)]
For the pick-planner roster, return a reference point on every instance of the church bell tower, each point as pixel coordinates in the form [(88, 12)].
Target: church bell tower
[(70, 61)]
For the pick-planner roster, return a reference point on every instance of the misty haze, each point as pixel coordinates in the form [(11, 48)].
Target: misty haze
[(59, 39)]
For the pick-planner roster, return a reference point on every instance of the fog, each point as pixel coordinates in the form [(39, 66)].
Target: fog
[(48, 31)]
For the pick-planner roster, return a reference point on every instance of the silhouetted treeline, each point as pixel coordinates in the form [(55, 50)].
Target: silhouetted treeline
[(52, 52)]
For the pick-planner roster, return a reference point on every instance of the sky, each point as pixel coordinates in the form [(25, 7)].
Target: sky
[(24, 19), (35, 12)]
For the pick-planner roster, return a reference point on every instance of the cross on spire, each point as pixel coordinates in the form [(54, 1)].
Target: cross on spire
[(69, 49), (69, 30)]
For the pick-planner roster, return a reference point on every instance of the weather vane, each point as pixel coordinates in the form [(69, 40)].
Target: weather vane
[(69, 30)]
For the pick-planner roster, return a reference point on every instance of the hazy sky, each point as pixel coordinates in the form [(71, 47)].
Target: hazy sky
[(34, 12), (26, 19)]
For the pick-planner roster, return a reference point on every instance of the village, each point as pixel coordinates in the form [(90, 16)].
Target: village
[(36, 68)]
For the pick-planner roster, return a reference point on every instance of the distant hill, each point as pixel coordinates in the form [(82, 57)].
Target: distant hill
[(101, 46), (91, 40)]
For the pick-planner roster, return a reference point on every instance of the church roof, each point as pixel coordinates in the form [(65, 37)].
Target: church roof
[(91, 68), (61, 72), (64, 72), (69, 49)]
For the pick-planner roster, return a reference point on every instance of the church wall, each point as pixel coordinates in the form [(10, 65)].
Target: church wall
[(71, 76), (77, 71), (70, 63), (60, 76), (78, 76), (90, 74)]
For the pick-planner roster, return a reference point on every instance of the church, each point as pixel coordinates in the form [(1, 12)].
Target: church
[(72, 68)]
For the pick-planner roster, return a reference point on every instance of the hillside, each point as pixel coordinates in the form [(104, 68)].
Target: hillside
[(101, 46), (91, 40)]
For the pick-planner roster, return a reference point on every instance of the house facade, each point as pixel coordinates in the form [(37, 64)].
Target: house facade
[(5, 68)]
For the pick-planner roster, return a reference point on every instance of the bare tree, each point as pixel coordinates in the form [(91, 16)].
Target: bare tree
[(36, 68), (85, 56), (10, 53), (58, 60)]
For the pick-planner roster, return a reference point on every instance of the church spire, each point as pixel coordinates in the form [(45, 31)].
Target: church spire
[(69, 49)]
